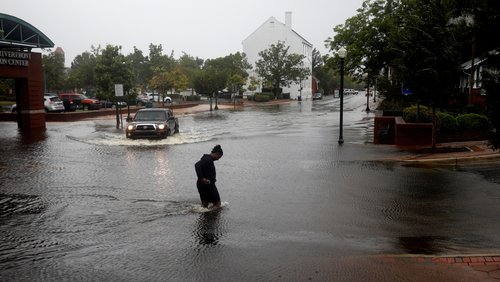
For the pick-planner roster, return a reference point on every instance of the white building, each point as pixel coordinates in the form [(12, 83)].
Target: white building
[(272, 31)]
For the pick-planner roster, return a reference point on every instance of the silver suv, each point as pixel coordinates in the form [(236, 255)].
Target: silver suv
[(50, 103)]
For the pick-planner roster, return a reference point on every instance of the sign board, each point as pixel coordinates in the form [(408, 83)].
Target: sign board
[(118, 90), (405, 90), (14, 58)]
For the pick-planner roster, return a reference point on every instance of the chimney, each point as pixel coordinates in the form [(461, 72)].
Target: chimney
[(288, 20)]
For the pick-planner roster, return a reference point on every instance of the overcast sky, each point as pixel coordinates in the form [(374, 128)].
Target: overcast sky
[(202, 28)]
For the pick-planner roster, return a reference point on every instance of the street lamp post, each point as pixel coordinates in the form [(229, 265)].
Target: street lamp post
[(368, 96), (366, 76), (342, 53)]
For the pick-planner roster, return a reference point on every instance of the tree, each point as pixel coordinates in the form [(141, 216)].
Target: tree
[(327, 76), (411, 38), (236, 83), (491, 84), (232, 69), (112, 68), (165, 81), (230, 65), (253, 83), (190, 67), (209, 82), (159, 61), (427, 59), (53, 68), (82, 70), (141, 69), (279, 67), (368, 38)]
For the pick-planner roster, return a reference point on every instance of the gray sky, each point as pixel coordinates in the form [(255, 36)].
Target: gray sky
[(202, 28)]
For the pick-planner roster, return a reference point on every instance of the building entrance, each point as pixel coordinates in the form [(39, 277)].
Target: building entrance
[(18, 62)]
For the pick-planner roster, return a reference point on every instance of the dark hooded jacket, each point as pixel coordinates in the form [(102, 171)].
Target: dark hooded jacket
[(205, 168)]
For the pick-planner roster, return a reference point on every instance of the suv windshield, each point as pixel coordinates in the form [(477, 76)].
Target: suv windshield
[(150, 115)]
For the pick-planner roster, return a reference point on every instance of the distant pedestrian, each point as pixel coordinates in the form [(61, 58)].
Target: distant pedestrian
[(205, 170)]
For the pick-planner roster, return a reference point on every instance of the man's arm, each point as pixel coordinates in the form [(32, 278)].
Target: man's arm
[(200, 172)]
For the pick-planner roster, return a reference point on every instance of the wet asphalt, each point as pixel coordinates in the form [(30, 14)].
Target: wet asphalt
[(81, 202)]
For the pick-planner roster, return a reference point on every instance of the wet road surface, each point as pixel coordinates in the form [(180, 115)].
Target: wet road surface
[(84, 203)]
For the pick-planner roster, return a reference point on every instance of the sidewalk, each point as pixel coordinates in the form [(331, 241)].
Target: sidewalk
[(452, 153)]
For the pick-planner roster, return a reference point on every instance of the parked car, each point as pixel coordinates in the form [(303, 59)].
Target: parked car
[(112, 104), (152, 123), (73, 101), (143, 100), (317, 96), (50, 103), (53, 104), (155, 97), (349, 91)]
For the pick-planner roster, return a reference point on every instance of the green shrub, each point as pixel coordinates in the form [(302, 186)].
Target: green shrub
[(446, 122), (173, 96), (424, 114), (473, 122), (395, 106), (193, 98), (262, 97), (250, 97)]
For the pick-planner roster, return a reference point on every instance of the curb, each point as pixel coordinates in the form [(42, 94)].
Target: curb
[(455, 160)]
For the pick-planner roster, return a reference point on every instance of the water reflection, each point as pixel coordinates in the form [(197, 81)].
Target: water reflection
[(208, 230), (424, 207), (427, 245), (30, 136)]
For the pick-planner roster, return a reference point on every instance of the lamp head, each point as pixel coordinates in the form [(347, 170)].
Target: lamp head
[(342, 52)]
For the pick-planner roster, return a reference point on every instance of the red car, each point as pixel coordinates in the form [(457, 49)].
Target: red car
[(73, 101)]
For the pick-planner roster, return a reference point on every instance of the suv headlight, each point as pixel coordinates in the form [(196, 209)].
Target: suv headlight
[(130, 127), (161, 126)]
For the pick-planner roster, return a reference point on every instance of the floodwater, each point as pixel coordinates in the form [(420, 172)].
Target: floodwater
[(81, 202)]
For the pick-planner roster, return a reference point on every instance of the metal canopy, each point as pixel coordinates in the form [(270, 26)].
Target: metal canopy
[(16, 33)]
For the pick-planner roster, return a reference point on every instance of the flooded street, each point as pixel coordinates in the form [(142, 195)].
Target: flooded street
[(85, 203)]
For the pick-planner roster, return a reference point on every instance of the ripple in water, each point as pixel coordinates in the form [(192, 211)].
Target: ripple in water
[(109, 139)]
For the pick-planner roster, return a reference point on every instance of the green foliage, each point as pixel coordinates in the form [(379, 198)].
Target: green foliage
[(421, 114), (7, 87), (192, 98), (412, 42), (254, 82), (166, 81), (209, 82), (141, 69), (190, 67), (235, 83), (391, 105), (53, 68), (276, 65), (491, 84), (263, 97), (473, 122), (446, 122), (112, 68), (159, 61), (81, 75)]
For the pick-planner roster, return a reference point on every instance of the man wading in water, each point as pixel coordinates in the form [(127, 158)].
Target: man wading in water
[(205, 170)]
